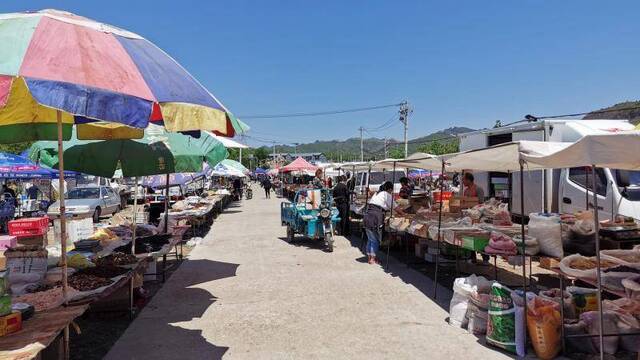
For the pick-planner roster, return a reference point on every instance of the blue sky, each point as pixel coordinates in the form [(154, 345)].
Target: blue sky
[(459, 63)]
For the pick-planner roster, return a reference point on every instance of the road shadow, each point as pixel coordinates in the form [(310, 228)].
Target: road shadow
[(160, 331), (303, 241), (406, 273)]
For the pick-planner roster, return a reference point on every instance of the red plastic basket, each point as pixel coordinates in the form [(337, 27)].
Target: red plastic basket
[(446, 195), (29, 223)]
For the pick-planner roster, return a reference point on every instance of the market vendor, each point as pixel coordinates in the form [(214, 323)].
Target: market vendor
[(470, 188), (374, 219), (318, 181), (406, 189)]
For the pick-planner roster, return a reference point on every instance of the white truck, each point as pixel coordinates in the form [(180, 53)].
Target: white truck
[(559, 190)]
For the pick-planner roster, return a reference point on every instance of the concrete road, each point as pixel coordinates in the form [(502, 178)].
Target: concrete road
[(245, 293)]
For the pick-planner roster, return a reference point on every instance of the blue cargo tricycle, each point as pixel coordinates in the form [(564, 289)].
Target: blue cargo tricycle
[(311, 214)]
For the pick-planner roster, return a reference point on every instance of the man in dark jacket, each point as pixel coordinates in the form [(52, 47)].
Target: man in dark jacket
[(341, 199)]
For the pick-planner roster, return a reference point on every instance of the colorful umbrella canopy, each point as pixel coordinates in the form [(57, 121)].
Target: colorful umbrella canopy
[(53, 60), (260, 171), (298, 164), (159, 152)]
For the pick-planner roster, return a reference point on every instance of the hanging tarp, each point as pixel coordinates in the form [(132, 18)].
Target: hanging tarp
[(18, 167), (615, 151), (503, 157)]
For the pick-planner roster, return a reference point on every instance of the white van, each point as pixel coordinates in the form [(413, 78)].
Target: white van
[(558, 190), (376, 178)]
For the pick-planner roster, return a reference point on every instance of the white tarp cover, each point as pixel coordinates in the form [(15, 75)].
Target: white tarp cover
[(503, 157), (615, 151), (228, 143), (417, 160)]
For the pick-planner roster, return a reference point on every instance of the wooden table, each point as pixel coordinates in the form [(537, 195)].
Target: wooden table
[(38, 332)]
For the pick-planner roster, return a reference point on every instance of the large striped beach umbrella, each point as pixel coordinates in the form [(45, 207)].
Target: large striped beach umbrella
[(90, 71)]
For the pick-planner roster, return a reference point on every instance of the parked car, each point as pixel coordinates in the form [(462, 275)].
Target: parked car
[(85, 200)]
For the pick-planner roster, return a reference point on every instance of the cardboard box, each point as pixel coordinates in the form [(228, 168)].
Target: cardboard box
[(7, 241), (33, 240), (10, 323)]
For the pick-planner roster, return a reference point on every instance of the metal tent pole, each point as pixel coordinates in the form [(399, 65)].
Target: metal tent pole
[(135, 213), (524, 256), (393, 182), (435, 282), (598, 275), (166, 204)]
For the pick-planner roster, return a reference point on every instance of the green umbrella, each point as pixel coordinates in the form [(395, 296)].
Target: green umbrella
[(158, 152)]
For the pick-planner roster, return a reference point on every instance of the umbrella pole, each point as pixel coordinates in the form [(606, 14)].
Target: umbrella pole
[(166, 205), (63, 222), (135, 214), (390, 216), (63, 227)]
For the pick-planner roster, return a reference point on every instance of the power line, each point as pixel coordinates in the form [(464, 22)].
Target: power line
[(319, 113), (387, 124)]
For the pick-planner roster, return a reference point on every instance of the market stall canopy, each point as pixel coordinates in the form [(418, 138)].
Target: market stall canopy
[(417, 160), (502, 157), (18, 167), (615, 151), (178, 179), (298, 164), (225, 170), (227, 142), (355, 166), (235, 165), (55, 60), (159, 152)]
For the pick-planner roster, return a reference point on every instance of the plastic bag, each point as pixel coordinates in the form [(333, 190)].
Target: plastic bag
[(584, 299), (463, 288), (578, 344), (531, 245), (504, 321), (623, 257), (626, 322), (543, 323), (547, 229), (609, 327), (554, 295)]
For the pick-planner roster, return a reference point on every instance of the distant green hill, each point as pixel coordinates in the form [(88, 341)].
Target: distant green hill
[(628, 110), (349, 149)]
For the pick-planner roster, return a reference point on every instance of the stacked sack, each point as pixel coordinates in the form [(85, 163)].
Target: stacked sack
[(500, 244)]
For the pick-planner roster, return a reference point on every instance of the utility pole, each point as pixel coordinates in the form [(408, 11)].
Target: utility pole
[(404, 111), (361, 143), (274, 153)]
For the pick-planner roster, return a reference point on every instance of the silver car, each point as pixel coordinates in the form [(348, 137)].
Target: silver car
[(88, 200)]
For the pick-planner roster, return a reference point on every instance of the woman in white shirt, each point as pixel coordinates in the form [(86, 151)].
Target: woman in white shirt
[(374, 219)]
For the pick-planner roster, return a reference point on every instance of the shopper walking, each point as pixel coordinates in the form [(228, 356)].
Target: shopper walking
[(266, 184), (341, 199), (374, 219)]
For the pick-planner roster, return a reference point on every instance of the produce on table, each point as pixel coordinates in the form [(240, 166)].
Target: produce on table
[(104, 271), (84, 282), (117, 258), (78, 261), (43, 300)]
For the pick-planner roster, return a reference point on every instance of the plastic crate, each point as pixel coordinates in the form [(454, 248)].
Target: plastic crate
[(29, 223), (474, 243)]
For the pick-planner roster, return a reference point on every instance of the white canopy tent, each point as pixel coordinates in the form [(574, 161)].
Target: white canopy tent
[(417, 160), (615, 151)]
